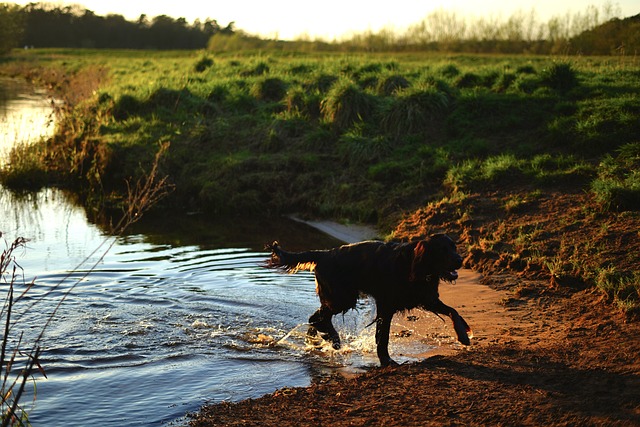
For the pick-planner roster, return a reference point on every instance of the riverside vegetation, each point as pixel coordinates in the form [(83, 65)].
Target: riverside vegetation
[(354, 137)]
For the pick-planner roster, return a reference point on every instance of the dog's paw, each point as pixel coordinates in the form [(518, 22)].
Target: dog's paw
[(388, 362), (463, 331)]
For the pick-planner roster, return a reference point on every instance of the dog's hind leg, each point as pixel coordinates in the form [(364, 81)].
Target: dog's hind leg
[(320, 321), (383, 329)]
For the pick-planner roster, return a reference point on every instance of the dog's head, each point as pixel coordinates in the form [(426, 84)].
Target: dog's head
[(435, 256)]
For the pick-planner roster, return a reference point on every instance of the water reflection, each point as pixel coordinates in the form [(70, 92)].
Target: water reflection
[(190, 316), (26, 115), (178, 312)]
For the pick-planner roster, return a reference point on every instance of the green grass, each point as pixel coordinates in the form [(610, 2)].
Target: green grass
[(344, 135), (622, 287), (618, 183)]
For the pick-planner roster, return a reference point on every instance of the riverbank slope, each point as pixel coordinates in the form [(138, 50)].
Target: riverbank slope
[(557, 353)]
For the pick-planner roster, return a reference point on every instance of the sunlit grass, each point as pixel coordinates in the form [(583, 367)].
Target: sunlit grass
[(373, 121)]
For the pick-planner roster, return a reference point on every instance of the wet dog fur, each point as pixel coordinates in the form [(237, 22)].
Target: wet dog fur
[(399, 277)]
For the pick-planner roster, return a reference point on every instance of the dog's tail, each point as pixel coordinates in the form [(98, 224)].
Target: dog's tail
[(291, 262)]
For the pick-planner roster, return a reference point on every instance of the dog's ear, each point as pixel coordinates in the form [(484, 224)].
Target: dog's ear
[(419, 252)]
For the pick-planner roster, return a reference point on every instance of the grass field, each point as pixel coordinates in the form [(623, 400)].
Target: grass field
[(358, 137), (349, 136)]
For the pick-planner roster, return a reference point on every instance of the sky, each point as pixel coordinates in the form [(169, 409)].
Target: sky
[(333, 19)]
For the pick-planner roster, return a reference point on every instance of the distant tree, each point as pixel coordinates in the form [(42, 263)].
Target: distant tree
[(48, 25), (11, 27), (617, 36)]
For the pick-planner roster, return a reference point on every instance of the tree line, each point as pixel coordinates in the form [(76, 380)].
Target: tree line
[(45, 25), (594, 31)]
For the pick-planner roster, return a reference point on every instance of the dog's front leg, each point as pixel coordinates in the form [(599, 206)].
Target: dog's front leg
[(383, 328), (459, 324)]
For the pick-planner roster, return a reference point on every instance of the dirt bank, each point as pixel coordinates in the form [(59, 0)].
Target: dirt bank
[(566, 361), (544, 353)]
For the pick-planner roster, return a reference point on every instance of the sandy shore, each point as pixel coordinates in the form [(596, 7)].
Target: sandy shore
[(542, 354)]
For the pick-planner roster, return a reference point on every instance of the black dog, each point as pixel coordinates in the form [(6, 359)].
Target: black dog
[(399, 276)]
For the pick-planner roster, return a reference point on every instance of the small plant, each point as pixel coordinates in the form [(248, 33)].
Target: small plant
[(449, 71), (622, 287), (23, 170), (259, 69), (357, 148), (18, 364), (203, 64), (618, 183), (20, 359), (324, 82), (468, 80), (501, 166)]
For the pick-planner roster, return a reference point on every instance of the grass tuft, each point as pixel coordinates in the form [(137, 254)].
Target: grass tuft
[(347, 104), (560, 76), (617, 186), (416, 110)]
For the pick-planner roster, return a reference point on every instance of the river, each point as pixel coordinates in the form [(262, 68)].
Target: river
[(158, 327), (172, 315)]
